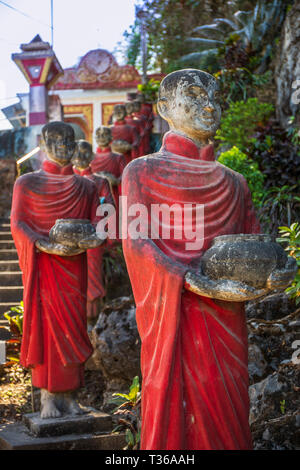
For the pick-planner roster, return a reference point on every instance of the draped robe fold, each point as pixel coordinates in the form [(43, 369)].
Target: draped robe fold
[(138, 124), (96, 289), (55, 341), (122, 131), (107, 161), (194, 349)]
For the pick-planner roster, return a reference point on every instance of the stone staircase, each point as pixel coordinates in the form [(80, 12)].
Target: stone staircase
[(11, 289)]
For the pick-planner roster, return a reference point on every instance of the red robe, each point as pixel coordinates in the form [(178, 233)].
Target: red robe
[(138, 124), (106, 160), (55, 341), (96, 289), (146, 128), (122, 131), (114, 163), (146, 114), (194, 349)]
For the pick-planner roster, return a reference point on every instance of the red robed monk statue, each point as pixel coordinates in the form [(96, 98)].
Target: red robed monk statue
[(82, 159), (190, 314), (52, 258)]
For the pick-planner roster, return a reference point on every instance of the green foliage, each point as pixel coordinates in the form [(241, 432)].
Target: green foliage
[(15, 317), (131, 398), (133, 43), (238, 161), (279, 206), (282, 406), (290, 237), (240, 121), (239, 83), (252, 31), (128, 408), (150, 90), (293, 131)]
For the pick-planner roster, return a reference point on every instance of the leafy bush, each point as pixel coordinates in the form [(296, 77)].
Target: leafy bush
[(15, 317), (239, 83), (238, 161), (290, 236), (240, 121), (274, 149), (128, 408), (150, 90), (280, 206)]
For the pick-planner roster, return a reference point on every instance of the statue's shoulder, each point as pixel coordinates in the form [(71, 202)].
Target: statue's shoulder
[(141, 165), (233, 173), (28, 178)]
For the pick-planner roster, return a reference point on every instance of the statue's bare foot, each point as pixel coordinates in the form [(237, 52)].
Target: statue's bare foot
[(49, 408), (72, 407)]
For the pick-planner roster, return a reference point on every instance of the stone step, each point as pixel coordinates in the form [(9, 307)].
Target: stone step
[(4, 307), (11, 294), (10, 265), (8, 255), (5, 228), (3, 324), (17, 437), (7, 245), (4, 220), (5, 235), (10, 278)]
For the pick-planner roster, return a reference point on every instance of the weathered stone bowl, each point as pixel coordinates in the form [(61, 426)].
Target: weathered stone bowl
[(120, 146), (246, 258), (71, 231)]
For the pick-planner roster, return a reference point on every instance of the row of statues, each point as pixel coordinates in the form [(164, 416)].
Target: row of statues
[(192, 328), (63, 283), (131, 128)]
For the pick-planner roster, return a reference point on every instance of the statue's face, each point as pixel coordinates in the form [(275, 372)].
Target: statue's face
[(136, 106), (119, 112), (60, 146), (103, 136), (82, 157), (194, 109), (129, 108)]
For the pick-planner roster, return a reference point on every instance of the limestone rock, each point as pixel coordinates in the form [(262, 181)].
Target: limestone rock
[(270, 307), (116, 345), (257, 364), (287, 70)]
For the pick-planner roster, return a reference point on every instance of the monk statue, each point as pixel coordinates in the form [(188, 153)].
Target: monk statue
[(133, 121), (55, 343), (82, 158), (192, 327), (146, 124), (125, 137), (110, 165), (106, 162)]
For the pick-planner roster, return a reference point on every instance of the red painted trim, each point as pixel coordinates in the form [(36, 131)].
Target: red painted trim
[(37, 118)]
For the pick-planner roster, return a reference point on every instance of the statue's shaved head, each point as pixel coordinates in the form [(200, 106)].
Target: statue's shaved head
[(182, 78), (58, 127), (84, 145), (188, 101)]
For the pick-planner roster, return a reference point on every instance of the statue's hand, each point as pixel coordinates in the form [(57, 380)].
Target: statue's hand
[(231, 291), (53, 248), (281, 278), (90, 242)]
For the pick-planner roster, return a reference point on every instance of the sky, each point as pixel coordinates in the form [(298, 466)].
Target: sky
[(79, 26)]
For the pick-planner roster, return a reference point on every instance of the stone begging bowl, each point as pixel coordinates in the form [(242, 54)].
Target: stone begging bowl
[(121, 146), (246, 258), (70, 231)]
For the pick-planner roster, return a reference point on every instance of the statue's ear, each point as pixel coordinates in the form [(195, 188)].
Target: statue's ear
[(162, 107)]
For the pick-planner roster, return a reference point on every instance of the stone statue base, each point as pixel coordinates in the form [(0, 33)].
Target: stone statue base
[(90, 431)]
